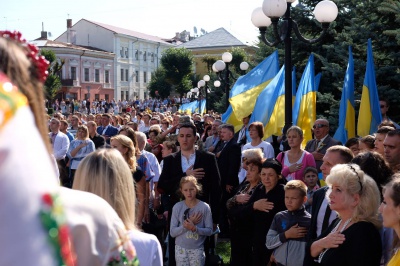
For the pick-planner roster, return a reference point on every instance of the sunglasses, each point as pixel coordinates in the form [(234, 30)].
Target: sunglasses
[(186, 214), (319, 126)]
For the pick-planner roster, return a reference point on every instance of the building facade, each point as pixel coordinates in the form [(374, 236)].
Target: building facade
[(136, 55)]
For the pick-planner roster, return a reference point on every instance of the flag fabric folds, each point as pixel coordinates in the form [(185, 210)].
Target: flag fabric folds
[(244, 93), (304, 109), (347, 116), (369, 115), (188, 108), (230, 118), (270, 106), (202, 105)]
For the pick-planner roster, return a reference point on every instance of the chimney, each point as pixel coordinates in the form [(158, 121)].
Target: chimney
[(177, 35), (69, 26), (43, 34)]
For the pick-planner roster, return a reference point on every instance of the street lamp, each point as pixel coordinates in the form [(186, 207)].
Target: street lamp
[(204, 83), (325, 12), (221, 67)]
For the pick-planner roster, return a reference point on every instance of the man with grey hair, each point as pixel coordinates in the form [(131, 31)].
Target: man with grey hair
[(321, 142)]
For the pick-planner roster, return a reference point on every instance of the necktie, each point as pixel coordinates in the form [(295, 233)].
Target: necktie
[(53, 137), (325, 222), (316, 144)]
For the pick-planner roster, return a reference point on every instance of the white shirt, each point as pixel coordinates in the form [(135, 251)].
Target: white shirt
[(321, 215), (187, 163), (148, 248), (154, 165), (60, 145)]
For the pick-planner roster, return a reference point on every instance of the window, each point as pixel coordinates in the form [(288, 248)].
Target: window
[(86, 74), (87, 96), (137, 55), (122, 95), (144, 77), (152, 57), (97, 97), (126, 74), (97, 75), (122, 74), (126, 52), (137, 76), (144, 56), (122, 52), (127, 95), (73, 73), (106, 97), (107, 76)]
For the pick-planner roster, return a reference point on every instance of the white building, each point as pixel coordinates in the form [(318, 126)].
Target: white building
[(136, 55)]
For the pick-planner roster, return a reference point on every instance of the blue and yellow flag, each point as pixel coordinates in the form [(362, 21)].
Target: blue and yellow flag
[(270, 106), (200, 104), (369, 116), (189, 108), (347, 114), (230, 118), (244, 93), (304, 110)]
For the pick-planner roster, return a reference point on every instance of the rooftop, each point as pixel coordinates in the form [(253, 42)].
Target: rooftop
[(218, 38)]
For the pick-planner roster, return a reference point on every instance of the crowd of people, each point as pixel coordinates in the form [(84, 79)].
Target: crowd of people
[(155, 187)]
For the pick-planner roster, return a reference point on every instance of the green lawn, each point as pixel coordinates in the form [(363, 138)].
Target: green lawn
[(223, 249)]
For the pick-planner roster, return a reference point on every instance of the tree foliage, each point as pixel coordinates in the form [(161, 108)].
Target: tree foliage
[(158, 85), (177, 63), (52, 84)]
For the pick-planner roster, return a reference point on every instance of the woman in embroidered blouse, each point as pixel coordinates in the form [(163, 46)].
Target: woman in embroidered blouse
[(390, 210), (78, 149), (295, 160), (353, 238)]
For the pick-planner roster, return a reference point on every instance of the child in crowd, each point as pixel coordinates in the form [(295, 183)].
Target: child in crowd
[(311, 179), (287, 234), (191, 223)]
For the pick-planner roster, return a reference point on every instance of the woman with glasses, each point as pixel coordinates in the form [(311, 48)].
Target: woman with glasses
[(295, 160), (191, 223), (353, 238), (79, 148)]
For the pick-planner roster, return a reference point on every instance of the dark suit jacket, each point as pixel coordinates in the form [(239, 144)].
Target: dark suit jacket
[(211, 183), (229, 164), (318, 198), (311, 146), (111, 131)]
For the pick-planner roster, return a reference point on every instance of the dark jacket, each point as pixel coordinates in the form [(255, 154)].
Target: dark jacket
[(311, 146)]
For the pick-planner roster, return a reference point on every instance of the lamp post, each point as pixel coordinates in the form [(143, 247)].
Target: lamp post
[(270, 13), (204, 83), (221, 67)]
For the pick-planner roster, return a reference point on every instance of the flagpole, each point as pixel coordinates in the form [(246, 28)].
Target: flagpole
[(272, 10)]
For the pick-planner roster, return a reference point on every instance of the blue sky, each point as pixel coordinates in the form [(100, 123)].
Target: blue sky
[(155, 17)]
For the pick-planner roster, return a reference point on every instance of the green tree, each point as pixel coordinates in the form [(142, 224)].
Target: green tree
[(177, 63), (52, 84), (158, 84)]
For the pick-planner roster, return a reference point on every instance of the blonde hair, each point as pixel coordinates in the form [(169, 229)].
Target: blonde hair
[(129, 156), (297, 185), (354, 181), (256, 154), (84, 128), (190, 179), (105, 173)]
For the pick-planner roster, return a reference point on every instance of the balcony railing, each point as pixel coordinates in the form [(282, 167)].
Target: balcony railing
[(106, 85)]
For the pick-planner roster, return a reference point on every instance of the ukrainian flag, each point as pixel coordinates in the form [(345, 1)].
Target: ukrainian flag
[(347, 115), (304, 110), (244, 93), (270, 106), (188, 108), (229, 117), (369, 116)]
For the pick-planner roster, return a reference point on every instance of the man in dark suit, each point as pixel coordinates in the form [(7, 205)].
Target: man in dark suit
[(106, 129), (321, 142), (199, 164), (228, 159), (322, 215)]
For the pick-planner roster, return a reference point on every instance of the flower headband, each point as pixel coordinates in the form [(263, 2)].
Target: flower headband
[(38, 61)]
